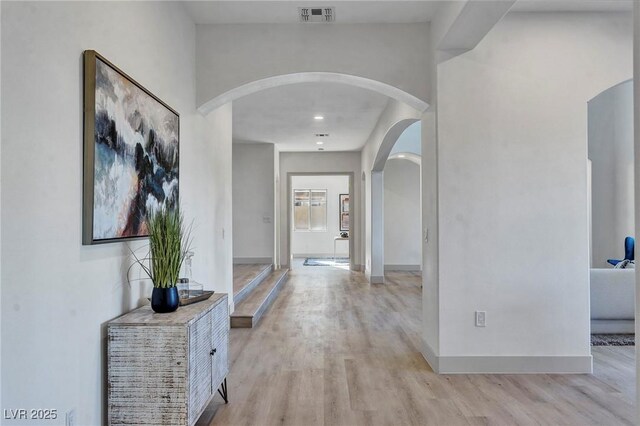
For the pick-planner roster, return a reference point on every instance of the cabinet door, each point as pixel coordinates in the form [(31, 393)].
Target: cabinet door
[(200, 385), (220, 332)]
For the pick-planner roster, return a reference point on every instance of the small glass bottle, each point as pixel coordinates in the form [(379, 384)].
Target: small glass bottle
[(183, 288)]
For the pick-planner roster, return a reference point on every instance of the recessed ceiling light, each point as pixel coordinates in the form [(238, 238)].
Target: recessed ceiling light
[(319, 143), (318, 117), (401, 156)]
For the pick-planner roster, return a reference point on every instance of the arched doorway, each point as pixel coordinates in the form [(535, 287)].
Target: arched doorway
[(367, 228)]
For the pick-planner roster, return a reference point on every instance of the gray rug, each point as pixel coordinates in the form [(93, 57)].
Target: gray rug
[(326, 261), (613, 339)]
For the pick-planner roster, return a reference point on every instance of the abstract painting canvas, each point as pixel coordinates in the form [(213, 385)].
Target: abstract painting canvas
[(131, 153)]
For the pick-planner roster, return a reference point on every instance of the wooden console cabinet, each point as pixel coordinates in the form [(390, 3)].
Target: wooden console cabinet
[(163, 369)]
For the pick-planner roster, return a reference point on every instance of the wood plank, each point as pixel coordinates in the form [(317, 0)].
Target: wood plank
[(334, 350)]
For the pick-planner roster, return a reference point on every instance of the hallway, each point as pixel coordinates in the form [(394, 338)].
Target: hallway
[(335, 350)]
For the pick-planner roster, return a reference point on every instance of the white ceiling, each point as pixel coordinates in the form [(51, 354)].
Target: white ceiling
[(286, 12), (285, 116), (572, 6), (394, 11)]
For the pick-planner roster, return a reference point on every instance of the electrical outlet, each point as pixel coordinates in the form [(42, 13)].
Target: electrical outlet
[(481, 318), (70, 419)]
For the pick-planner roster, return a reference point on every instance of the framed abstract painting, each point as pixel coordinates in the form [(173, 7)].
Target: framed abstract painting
[(131, 154)]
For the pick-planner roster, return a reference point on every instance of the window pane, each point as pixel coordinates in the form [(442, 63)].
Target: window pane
[(318, 210), (319, 217), (301, 210)]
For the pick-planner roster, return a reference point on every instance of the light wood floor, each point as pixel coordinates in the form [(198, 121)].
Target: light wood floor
[(334, 350), (244, 274)]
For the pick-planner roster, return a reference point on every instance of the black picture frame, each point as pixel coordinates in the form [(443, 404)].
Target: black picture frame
[(344, 212)]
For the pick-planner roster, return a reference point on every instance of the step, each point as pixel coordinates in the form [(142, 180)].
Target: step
[(247, 314), (246, 278)]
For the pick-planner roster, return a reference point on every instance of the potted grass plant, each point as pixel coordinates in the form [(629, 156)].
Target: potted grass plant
[(169, 243)]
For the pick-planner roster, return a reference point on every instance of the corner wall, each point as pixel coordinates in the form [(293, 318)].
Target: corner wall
[(58, 295), (512, 187), (253, 206)]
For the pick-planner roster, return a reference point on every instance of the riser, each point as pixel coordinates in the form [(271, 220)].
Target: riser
[(246, 290), (252, 321)]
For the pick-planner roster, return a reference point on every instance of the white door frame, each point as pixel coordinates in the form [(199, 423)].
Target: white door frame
[(353, 219)]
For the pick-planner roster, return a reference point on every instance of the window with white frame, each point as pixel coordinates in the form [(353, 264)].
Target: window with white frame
[(310, 210)]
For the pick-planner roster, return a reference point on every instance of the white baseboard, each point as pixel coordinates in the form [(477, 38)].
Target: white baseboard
[(405, 268), (373, 279), (613, 326), (509, 364), (430, 356), (320, 255), (251, 260), (506, 364)]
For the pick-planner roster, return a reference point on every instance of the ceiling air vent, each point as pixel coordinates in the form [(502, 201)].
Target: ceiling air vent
[(317, 14)]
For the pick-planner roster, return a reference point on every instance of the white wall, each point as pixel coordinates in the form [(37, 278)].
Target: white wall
[(214, 190), (303, 162), (611, 154), (57, 294), (0, 215), (402, 215), (277, 208), (320, 244), (512, 188), (232, 55), (430, 239), (253, 206), (636, 145)]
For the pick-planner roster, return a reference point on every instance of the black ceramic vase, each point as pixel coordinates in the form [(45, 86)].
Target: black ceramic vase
[(164, 300)]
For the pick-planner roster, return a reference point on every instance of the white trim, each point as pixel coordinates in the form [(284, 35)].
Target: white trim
[(509, 364), (375, 279), (612, 326), (430, 356), (320, 255), (252, 260), (407, 268)]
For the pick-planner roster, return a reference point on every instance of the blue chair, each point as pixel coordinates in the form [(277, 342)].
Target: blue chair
[(629, 244)]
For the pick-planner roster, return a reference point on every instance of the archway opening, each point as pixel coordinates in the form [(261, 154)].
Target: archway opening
[(611, 191)]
